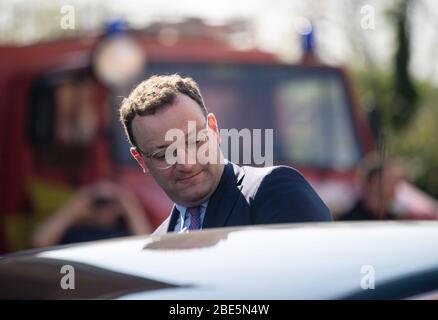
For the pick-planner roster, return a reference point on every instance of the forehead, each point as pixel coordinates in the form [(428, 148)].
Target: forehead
[(149, 131)]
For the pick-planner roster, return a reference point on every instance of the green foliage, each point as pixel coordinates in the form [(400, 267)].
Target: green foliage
[(405, 96), (408, 110), (417, 141)]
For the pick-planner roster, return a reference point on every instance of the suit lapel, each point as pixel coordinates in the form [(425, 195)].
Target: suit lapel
[(173, 219), (222, 201)]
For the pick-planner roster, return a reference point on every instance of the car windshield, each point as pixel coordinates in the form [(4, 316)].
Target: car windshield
[(307, 108)]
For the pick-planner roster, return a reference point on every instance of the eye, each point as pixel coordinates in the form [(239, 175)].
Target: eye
[(160, 156)]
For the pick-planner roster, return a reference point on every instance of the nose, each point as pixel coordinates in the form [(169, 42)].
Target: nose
[(186, 168), (186, 159)]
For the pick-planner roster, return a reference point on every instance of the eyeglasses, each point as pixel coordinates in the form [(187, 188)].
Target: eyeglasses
[(158, 157)]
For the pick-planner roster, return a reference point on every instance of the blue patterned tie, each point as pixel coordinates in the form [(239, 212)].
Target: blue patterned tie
[(195, 214)]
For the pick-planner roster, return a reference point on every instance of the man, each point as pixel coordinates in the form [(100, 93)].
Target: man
[(213, 194), (379, 185)]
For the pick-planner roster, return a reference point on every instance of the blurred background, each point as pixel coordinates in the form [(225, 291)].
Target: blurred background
[(349, 87)]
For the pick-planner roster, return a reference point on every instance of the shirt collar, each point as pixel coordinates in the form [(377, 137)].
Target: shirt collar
[(182, 210)]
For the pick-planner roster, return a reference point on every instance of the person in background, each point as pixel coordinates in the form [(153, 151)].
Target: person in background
[(96, 212), (379, 182)]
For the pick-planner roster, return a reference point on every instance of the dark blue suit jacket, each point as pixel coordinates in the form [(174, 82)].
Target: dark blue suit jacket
[(250, 196)]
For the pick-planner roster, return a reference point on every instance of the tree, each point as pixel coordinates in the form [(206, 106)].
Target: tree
[(405, 96)]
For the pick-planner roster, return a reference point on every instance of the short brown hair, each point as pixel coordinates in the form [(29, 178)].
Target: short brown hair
[(154, 94)]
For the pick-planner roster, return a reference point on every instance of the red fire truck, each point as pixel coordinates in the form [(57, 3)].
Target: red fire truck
[(59, 125)]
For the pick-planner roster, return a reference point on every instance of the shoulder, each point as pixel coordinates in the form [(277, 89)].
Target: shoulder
[(282, 194), (273, 175), (277, 182)]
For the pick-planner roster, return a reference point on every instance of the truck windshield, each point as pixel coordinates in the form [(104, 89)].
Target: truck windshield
[(307, 108)]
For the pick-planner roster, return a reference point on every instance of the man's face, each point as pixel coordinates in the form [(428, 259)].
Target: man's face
[(186, 184)]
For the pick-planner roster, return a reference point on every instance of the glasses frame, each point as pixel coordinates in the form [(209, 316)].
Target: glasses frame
[(168, 166)]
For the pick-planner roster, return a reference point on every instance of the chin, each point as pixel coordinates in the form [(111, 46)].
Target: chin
[(194, 196)]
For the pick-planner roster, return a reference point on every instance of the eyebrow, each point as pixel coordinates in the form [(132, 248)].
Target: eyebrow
[(166, 145), (157, 148)]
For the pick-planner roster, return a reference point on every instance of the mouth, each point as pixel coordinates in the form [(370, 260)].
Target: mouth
[(189, 178)]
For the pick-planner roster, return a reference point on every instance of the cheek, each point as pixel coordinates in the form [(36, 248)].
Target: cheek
[(208, 175), (162, 176)]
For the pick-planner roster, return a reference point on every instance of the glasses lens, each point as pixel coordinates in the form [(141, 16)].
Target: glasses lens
[(162, 159)]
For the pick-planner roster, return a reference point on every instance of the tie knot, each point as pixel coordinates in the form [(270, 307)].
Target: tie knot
[(194, 211), (195, 215)]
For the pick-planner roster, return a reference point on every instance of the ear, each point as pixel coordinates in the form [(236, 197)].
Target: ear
[(212, 124), (139, 158)]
